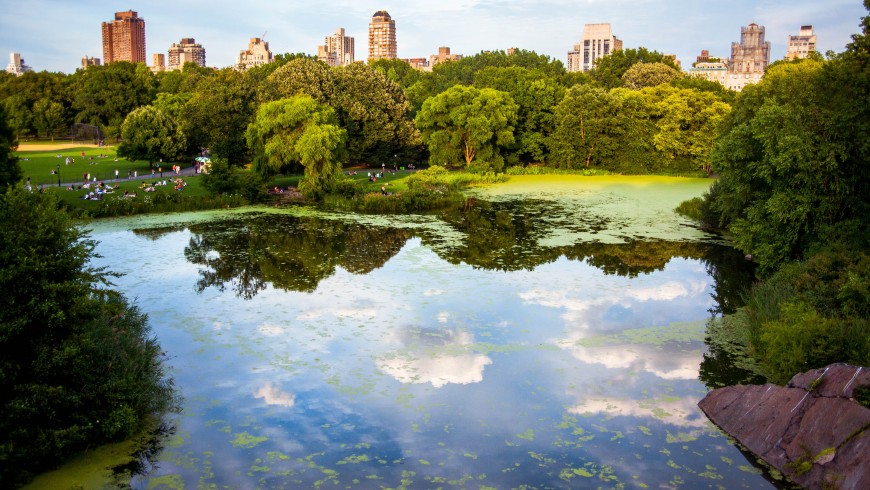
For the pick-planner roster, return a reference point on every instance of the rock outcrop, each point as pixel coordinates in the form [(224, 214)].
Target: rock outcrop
[(811, 430)]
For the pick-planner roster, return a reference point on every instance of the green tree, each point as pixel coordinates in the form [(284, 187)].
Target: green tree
[(642, 75), (10, 169), (104, 95), (78, 366), (470, 125), (149, 134), (589, 128), (298, 130), (48, 118), (792, 159), (608, 70), (688, 124), (371, 108), (19, 115), (536, 95), (217, 114)]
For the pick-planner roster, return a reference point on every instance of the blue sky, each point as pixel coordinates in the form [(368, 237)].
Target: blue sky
[(53, 35)]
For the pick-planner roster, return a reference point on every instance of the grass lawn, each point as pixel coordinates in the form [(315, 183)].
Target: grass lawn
[(101, 163)]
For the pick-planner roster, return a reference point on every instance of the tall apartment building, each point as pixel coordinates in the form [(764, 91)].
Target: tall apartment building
[(124, 38), (382, 36), (16, 65), (89, 61), (337, 50), (187, 51), (749, 58), (257, 54), (597, 41), (802, 45)]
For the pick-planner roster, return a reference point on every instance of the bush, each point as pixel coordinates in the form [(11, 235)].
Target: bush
[(78, 366)]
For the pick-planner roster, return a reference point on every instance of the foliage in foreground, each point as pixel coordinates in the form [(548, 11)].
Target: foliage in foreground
[(78, 365), (807, 315), (794, 194)]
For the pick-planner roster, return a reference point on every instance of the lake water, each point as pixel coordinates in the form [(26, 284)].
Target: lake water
[(549, 336)]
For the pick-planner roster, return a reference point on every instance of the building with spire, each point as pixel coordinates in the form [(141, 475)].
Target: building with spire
[(187, 51), (124, 38), (382, 37), (337, 50), (800, 46), (597, 41), (749, 58), (257, 54)]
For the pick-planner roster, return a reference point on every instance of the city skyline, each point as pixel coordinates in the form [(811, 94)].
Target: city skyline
[(63, 33)]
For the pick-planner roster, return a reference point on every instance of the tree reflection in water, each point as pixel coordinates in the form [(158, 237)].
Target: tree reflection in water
[(250, 252)]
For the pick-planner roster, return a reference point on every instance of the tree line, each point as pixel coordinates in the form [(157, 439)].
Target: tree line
[(794, 195), (634, 113)]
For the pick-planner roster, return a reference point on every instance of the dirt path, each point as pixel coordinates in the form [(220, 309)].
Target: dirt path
[(53, 146)]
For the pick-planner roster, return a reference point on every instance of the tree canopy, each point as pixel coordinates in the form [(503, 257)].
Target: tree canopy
[(608, 70), (298, 130), (149, 134), (469, 125)]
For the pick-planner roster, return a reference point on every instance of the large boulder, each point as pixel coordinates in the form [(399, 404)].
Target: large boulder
[(812, 430)]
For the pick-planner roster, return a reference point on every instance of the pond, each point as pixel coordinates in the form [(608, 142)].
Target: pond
[(550, 335)]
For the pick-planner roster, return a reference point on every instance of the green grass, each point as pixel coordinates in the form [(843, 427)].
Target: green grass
[(39, 165)]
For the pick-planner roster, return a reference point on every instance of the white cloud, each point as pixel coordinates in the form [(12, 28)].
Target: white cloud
[(272, 395)]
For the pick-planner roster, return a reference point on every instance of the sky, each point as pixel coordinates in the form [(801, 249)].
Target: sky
[(54, 35)]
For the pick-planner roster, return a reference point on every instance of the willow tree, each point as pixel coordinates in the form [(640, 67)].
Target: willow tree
[(298, 131), (468, 124)]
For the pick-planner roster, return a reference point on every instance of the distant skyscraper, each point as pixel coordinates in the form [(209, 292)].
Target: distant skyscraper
[(124, 38), (382, 36), (338, 49), (597, 41), (257, 54), (749, 58), (802, 45), (16, 65), (187, 51)]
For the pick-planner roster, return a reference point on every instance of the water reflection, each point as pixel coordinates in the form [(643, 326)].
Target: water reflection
[(288, 252), (296, 253), (435, 356), (369, 352)]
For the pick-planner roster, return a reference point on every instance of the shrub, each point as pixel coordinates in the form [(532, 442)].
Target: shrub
[(78, 366)]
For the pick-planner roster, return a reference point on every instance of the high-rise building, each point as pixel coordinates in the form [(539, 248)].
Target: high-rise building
[(749, 58), (802, 45), (124, 38), (187, 51), (257, 54), (16, 65), (597, 41), (89, 61), (382, 36), (338, 49)]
